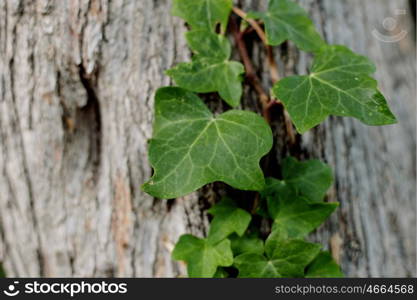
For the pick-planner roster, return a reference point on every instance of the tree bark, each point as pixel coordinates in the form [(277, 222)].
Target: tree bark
[(77, 80)]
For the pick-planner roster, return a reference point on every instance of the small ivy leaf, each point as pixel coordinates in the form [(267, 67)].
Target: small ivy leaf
[(203, 14), (202, 257), (253, 265), (311, 179), (210, 69), (340, 84), (228, 219), (292, 256), (295, 214), (275, 240), (191, 148), (286, 20), (323, 266), (275, 188), (210, 74), (208, 44), (287, 258), (299, 217), (249, 243), (221, 273)]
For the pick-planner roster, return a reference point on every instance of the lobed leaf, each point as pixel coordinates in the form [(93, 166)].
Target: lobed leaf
[(210, 69), (286, 20), (295, 203), (228, 219), (253, 265), (323, 266), (203, 14), (207, 44), (248, 243), (340, 84), (202, 257), (275, 239), (287, 258), (191, 147), (310, 179), (297, 216)]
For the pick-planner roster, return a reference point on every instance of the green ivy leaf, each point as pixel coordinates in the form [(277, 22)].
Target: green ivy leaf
[(210, 69), (228, 219), (323, 266), (191, 147), (275, 240), (294, 213), (206, 75), (202, 257), (311, 178), (286, 20), (340, 84), (249, 243), (253, 265), (207, 44), (203, 14), (284, 258), (292, 256)]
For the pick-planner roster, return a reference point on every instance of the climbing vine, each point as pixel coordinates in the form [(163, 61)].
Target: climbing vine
[(192, 147)]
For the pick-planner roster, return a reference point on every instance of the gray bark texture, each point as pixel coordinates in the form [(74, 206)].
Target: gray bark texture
[(77, 80)]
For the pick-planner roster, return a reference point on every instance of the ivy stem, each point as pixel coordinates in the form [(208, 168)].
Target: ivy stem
[(266, 101), (250, 72), (252, 23), (273, 66)]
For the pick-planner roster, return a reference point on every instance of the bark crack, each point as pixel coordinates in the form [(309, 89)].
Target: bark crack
[(92, 109)]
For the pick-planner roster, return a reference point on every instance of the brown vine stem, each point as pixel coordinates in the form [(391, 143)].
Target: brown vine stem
[(250, 72), (252, 23), (266, 101)]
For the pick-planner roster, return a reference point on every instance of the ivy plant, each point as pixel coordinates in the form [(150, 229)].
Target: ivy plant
[(191, 146), (285, 252)]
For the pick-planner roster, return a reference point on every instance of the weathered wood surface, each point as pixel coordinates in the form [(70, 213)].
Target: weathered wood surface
[(77, 80)]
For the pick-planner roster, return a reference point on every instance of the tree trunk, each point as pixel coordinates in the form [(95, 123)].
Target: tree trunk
[(77, 80)]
